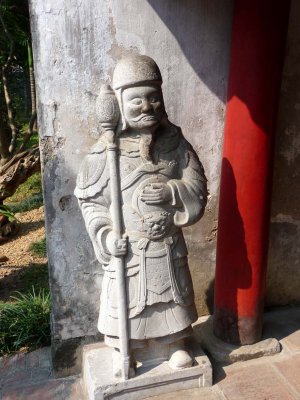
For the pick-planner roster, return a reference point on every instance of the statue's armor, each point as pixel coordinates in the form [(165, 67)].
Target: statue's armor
[(159, 286)]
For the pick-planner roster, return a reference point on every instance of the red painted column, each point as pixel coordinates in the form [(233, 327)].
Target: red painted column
[(257, 52)]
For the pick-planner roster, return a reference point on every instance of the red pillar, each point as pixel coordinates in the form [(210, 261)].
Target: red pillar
[(257, 50)]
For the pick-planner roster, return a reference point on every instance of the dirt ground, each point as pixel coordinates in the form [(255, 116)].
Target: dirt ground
[(16, 261)]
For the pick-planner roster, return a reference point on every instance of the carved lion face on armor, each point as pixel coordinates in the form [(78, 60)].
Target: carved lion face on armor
[(156, 224)]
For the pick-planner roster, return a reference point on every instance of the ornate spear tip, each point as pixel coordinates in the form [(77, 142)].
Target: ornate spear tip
[(107, 107)]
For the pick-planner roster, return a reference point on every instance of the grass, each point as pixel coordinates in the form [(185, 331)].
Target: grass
[(31, 203), (29, 188), (25, 318), (39, 248), (25, 322), (28, 196), (33, 141)]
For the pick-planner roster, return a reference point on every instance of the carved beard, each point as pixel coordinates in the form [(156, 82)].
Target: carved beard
[(146, 146)]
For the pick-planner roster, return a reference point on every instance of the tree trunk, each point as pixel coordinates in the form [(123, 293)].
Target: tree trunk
[(11, 123), (5, 136), (8, 101), (32, 90), (18, 170), (32, 84), (29, 132)]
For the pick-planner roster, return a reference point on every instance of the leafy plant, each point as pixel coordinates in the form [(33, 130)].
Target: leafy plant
[(7, 212), (25, 322)]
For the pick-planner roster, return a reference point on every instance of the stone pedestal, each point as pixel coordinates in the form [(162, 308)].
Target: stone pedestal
[(150, 380)]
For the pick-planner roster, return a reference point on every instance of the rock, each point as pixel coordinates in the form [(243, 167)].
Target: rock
[(228, 353), (7, 230)]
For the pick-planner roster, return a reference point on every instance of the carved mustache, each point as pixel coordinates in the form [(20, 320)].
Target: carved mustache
[(143, 116)]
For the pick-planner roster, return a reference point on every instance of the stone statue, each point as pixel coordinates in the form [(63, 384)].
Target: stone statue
[(162, 188)]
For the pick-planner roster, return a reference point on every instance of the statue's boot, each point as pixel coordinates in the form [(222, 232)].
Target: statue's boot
[(116, 360), (180, 357)]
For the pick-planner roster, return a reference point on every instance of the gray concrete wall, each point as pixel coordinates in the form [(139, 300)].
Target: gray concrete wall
[(76, 46), (283, 279)]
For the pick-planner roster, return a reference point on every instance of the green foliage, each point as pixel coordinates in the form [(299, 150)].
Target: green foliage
[(28, 196), (33, 141), (15, 16), (25, 322), (15, 37), (35, 201), (7, 212), (29, 188), (39, 248)]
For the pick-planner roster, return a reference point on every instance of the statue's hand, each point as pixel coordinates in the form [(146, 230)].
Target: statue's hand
[(156, 193), (116, 247)]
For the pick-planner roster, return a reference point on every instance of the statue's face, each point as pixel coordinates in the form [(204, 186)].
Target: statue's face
[(143, 107)]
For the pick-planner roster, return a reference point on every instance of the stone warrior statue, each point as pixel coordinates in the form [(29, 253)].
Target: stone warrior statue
[(163, 188)]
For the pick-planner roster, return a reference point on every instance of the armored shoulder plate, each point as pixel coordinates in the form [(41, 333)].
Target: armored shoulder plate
[(92, 176)]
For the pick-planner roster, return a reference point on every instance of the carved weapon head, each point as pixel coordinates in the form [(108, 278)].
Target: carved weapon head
[(108, 110)]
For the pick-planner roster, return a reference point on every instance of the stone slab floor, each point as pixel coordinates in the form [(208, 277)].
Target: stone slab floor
[(29, 376)]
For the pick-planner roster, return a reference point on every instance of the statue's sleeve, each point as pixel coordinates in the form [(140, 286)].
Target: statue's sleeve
[(189, 194), (98, 224), (92, 192)]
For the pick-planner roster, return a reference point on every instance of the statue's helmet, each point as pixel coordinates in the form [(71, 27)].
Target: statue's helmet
[(136, 70)]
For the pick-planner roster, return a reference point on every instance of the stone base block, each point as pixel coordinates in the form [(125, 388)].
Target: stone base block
[(228, 353), (149, 381)]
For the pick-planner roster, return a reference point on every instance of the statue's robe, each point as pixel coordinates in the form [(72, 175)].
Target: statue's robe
[(159, 286)]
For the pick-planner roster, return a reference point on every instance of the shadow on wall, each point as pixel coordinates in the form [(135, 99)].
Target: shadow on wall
[(286, 193), (271, 18), (284, 253), (237, 262), (255, 71), (201, 52), (209, 297), (232, 243)]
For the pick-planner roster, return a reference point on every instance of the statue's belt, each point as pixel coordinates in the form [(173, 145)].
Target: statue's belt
[(136, 236), (142, 245)]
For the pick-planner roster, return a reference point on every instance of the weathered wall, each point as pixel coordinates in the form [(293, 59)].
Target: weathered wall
[(76, 46), (284, 253)]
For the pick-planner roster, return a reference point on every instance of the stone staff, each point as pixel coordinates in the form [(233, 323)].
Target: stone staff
[(108, 113)]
